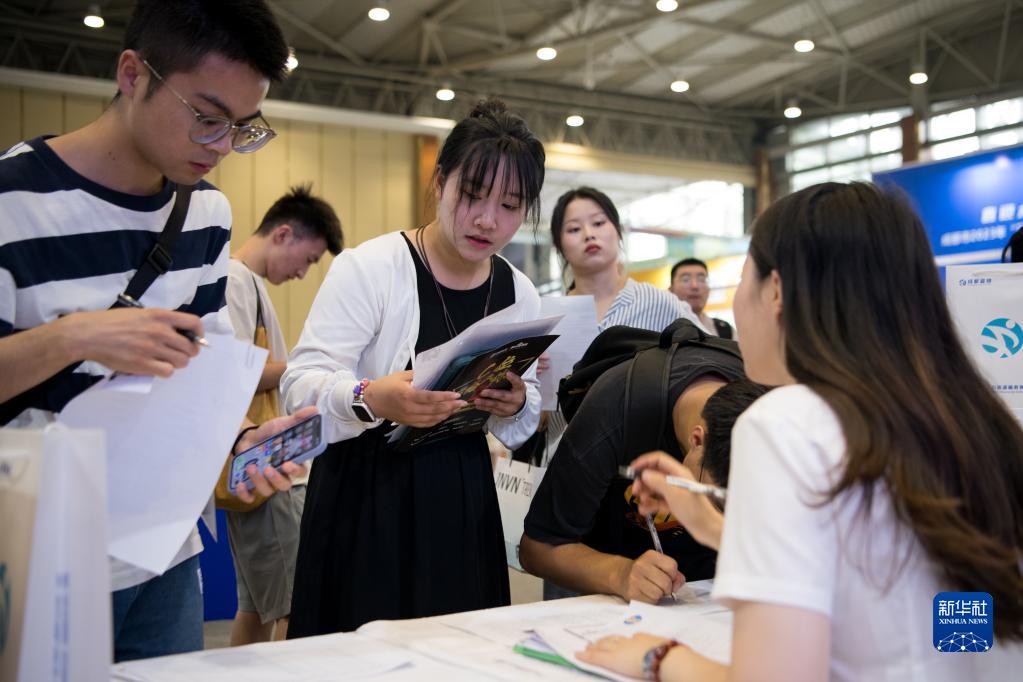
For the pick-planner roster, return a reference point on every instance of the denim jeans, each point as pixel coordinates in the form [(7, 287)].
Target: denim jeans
[(161, 616)]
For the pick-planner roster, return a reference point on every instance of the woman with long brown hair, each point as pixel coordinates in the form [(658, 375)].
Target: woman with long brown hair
[(882, 472)]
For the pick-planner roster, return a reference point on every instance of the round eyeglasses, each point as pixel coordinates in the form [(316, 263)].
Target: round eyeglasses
[(245, 137)]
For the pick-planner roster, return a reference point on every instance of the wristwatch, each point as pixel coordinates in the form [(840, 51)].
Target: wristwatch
[(653, 658), (359, 406)]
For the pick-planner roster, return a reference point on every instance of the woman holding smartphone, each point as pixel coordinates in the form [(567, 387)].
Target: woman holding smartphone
[(882, 472), (389, 534)]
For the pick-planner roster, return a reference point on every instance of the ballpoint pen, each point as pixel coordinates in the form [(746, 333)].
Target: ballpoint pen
[(679, 482), (127, 301)]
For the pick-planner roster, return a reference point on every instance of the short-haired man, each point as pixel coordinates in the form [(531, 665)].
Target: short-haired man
[(689, 283), (80, 213), (584, 533), (292, 236)]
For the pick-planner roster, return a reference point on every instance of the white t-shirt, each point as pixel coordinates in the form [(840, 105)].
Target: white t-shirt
[(243, 286), (777, 547)]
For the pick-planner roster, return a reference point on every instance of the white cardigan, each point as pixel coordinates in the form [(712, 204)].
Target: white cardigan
[(364, 322)]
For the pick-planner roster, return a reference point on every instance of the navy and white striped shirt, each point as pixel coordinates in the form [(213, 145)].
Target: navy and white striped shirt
[(68, 244)]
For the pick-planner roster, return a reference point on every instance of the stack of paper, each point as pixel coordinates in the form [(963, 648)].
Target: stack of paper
[(694, 620)]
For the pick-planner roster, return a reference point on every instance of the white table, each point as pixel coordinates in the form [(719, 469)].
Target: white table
[(465, 646)]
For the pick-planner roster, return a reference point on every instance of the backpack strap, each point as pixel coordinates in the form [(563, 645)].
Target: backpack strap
[(644, 414), (158, 261)]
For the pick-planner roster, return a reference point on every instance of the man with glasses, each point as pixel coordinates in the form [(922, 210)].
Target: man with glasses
[(689, 283), (81, 211)]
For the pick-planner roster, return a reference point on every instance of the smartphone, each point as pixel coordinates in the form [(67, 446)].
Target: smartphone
[(298, 444)]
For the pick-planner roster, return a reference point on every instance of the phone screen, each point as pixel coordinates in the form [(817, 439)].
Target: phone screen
[(298, 444)]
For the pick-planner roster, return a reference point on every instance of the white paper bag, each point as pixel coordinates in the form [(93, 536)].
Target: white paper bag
[(516, 483), (54, 573), (986, 302)]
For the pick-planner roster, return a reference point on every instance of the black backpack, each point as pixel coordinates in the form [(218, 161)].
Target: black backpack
[(646, 385)]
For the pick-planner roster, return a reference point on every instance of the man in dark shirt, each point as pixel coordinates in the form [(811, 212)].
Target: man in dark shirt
[(584, 532)]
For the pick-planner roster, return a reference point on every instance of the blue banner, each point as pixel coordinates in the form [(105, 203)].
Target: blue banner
[(970, 205)]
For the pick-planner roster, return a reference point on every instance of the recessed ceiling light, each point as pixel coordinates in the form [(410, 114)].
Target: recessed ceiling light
[(445, 94), (667, 5), (94, 19), (792, 110), (292, 62), (575, 120), (379, 13), (546, 53), (804, 45), (679, 86)]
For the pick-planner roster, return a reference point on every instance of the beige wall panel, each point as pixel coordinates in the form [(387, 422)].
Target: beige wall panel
[(235, 179), (370, 169), (401, 182), (80, 111), (305, 164), (270, 182), (338, 188), (42, 113), (10, 122)]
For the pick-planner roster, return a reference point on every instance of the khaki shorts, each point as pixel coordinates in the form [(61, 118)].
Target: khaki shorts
[(264, 545)]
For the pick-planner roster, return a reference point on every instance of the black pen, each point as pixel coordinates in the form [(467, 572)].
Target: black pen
[(128, 302)]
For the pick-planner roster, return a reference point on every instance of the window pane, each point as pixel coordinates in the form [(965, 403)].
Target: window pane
[(807, 157), (950, 125), (885, 140), (1003, 138), (880, 118), (843, 125), (886, 162), (848, 148), (801, 180), (947, 150), (1002, 113), (809, 132), (847, 172)]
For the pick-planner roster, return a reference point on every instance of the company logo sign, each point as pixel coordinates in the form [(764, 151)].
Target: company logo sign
[(1002, 337), (964, 622)]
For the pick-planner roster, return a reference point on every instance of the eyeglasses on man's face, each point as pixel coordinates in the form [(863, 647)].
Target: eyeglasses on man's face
[(688, 279), (245, 137)]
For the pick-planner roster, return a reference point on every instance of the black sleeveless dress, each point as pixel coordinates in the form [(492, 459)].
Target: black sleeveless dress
[(389, 535)]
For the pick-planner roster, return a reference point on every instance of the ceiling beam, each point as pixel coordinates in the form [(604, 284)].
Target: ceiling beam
[(298, 22)]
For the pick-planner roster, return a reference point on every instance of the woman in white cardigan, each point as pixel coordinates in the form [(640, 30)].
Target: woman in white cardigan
[(391, 534)]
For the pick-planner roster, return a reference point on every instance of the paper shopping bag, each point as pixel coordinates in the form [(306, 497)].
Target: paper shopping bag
[(54, 573), (516, 483)]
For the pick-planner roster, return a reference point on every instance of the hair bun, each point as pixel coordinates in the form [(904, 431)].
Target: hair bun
[(488, 107)]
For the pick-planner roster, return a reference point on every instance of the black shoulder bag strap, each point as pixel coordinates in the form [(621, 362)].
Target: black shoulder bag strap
[(57, 391), (158, 261)]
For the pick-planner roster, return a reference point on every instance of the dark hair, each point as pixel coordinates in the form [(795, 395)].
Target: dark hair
[(720, 411), (685, 262), (875, 340), (309, 217), (594, 195), (480, 141), (177, 35), (1014, 248)]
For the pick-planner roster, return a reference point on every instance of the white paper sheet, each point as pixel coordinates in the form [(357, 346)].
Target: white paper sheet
[(695, 620), (508, 626), (490, 332), (167, 440), (577, 329), (310, 659)]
